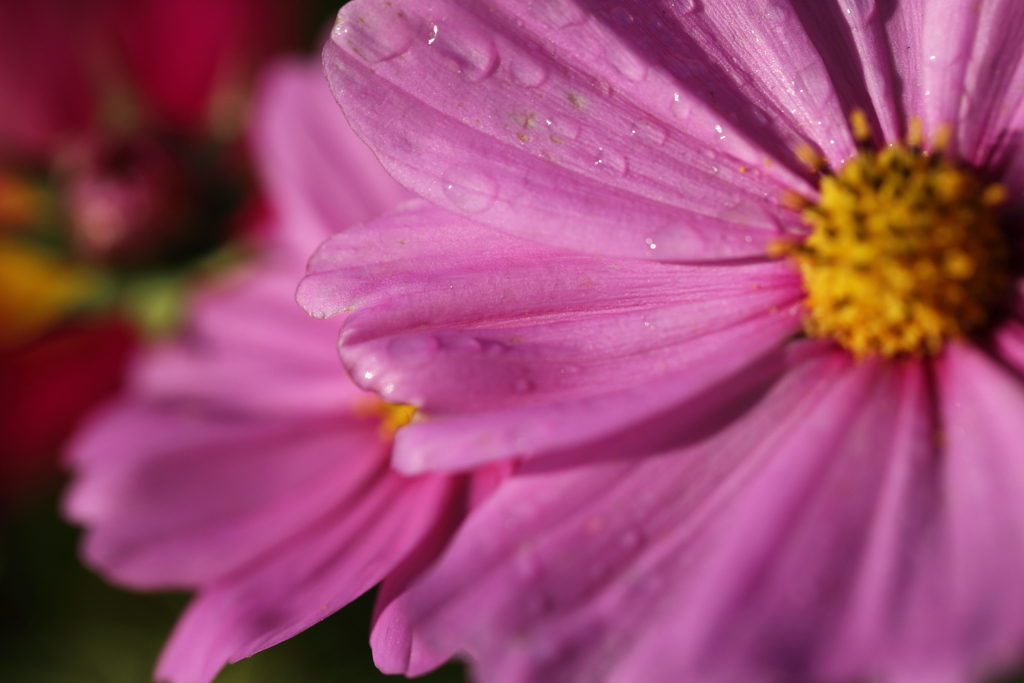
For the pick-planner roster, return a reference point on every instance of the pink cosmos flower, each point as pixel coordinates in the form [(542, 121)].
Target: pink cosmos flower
[(705, 492), (240, 462)]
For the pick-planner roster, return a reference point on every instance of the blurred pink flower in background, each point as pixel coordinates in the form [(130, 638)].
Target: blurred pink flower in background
[(69, 68), (704, 496), (240, 461), (132, 105), (118, 122)]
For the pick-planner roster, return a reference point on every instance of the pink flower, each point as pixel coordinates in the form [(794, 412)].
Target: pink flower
[(705, 494), (240, 461), (131, 106)]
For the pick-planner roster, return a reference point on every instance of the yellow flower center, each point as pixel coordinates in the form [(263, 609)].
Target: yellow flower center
[(906, 251)]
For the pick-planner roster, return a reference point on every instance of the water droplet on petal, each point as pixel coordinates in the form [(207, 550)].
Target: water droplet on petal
[(558, 13), (522, 385), (412, 350), (611, 160), (626, 61), (683, 107), (469, 189), (376, 34), (649, 132), (527, 72), (685, 6), (493, 348), (474, 55), (812, 83), (562, 128), (463, 344)]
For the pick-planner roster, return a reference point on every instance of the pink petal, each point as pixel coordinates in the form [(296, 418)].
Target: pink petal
[(392, 639), (822, 537), (981, 603), (515, 322), (249, 348), (852, 40), (178, 498), (1009, 341), (904, 34), (307, 578), (635, 147), (993, 84), (321, 178), (719, 374), (973, 72), (621, 558), (948, 35)]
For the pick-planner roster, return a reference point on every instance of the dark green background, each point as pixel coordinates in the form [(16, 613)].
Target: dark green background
[(59, 623)]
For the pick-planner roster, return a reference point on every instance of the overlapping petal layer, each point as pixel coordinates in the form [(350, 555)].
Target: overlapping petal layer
[(483, 319)]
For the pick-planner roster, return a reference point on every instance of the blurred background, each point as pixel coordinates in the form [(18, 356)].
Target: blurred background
[(125, 181)]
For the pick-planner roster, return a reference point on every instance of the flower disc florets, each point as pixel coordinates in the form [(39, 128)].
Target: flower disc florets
[(906, 252)]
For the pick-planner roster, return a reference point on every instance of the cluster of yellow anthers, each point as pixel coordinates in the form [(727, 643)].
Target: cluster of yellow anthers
[(906, 250)]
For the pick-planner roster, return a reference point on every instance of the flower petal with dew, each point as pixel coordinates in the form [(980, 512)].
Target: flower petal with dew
[(703, 494)]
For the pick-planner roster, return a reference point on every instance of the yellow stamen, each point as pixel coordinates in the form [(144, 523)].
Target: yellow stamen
[(809, 156), (906, 251), (915, 133), (861, 127), (393, 416)]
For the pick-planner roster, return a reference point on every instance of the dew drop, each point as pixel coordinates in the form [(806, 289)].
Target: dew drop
[(626, 61), (683, 107), (611, 160), (413, 350), (562, 128), (685, 7), (463, 344), (522, 386), (377, 34), (527, 72), (559, 13), (473, 55), (649, 132), (814, 84), (493, 349), (469, 189)]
